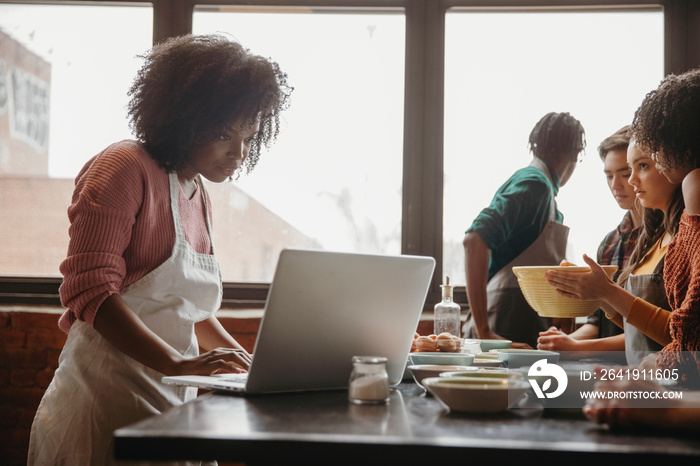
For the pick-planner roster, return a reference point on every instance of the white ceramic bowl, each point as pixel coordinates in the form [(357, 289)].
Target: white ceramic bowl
[(488, 345), (476, 395), (525, 357), (424, 371), (492, 363), (485, 372), (451, 359), (543, 297)]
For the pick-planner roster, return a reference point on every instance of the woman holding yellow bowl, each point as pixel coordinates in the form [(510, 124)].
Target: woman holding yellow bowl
[(638, 302)]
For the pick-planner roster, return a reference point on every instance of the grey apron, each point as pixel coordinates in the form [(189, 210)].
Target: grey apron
[(509, 313), (650, 288)]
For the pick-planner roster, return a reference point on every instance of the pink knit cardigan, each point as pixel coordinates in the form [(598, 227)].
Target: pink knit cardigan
[(121, 228), (682, 279)]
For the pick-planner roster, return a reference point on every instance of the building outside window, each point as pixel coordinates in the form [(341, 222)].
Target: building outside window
[(63, 85)]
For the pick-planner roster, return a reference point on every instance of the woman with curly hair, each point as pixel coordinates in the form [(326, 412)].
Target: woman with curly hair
[(667, 124), (637, 302), (141, 281)]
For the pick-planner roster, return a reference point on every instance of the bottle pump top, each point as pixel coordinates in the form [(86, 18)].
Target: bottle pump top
[(446, 288)]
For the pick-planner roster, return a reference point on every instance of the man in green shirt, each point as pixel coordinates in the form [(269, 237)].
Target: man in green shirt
[(521, 226)]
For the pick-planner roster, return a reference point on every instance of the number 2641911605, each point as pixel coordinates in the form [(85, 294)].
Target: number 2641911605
[(631, 374)]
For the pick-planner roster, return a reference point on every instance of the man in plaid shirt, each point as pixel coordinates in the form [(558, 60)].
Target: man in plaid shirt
[(600, 334)]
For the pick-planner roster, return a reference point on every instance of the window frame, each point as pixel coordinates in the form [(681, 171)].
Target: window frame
[(422, 201)]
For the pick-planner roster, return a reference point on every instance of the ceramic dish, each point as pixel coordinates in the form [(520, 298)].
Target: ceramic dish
[(452, 359), (423, 371), (545, 299), (488, 345), (485, 372), (476, 395), (525, 357), (491, 362)]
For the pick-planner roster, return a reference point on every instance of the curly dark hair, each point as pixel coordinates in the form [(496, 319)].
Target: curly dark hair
[(193, 88), (668, 121), (557, 135), (619, 140)]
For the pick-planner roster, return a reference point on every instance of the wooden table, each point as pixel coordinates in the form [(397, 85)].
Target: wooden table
[(323, 428)]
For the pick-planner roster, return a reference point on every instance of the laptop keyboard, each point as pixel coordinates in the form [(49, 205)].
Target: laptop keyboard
[(232, 377)]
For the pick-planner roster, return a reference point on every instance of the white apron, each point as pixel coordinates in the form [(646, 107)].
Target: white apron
[(509, 313), (97, 388)]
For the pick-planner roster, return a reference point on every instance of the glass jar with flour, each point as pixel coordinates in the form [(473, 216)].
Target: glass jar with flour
[(369, 382)]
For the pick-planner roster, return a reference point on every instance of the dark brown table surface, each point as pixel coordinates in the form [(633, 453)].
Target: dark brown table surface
[(323, 428)]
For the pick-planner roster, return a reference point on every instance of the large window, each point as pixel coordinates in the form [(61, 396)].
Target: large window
[(333, 180), (406, 117), (504, 71)]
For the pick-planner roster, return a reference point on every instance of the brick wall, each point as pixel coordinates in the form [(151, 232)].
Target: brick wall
[(30, 343)]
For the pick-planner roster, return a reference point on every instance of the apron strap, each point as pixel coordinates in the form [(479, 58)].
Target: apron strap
[(175, 207), (205, 197)]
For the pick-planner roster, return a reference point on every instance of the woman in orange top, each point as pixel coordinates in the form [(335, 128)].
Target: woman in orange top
[(667, 124), (637, 302)]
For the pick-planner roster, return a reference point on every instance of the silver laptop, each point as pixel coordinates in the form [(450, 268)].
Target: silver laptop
[(322, 309)]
